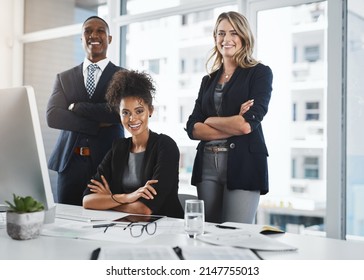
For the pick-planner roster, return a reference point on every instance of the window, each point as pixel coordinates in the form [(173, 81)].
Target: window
[(298, 98), (159, 114), (294, 166), (184, 20), (182, 44), (133, 7), (311, 168), (312, 53), (295, 54), (312, 111), (206, 15), (294, 112), (355, 120), (183, 66), (154, 66), (198, 65)]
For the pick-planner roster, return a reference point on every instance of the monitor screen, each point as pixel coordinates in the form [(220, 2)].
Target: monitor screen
[(23, 165)]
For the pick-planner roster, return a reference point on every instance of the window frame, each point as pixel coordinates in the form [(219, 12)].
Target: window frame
[(336, 105)]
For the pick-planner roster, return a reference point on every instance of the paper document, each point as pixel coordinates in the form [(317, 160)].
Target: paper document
[(253, 228), (69, 229), (217, 253), (76, 213), (137, 253), (245, 239), (168, 253), (86, 219)]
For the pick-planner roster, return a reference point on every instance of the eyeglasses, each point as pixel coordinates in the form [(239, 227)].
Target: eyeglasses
[(136, 229)]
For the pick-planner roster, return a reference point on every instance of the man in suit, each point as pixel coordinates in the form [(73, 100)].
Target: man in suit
[(78, 108)]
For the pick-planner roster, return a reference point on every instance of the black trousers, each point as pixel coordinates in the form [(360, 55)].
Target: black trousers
[(72, 182)]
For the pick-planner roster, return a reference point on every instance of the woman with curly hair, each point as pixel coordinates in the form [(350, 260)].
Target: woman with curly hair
[(230, 168), (139, 174)]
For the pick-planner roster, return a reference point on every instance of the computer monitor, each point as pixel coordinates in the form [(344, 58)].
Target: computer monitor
[(23, 165)]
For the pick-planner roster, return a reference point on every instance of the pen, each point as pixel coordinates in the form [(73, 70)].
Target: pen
[(226, 227), (104, 225), (95, 254), (178, 252)]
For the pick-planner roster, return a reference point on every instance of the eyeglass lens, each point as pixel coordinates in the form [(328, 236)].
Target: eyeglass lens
[(136, 230)]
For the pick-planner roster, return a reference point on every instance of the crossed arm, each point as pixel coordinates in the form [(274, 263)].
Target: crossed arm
[(102, 198), (84, 117), (215, 128)]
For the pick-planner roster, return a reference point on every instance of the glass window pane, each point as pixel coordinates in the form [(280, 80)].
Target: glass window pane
[(355, 119), (295, 127), (142, 6), (312, 53), (181, 45), (312, 105), (40, 14)]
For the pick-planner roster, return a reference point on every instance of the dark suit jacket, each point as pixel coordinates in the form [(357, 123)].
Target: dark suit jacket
[(160, 162), (247, 157), (81, 127)]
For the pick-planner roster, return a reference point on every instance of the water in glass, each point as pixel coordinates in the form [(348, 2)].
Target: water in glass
[(194, 217)]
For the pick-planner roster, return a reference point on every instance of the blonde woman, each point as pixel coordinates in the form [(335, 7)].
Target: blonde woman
[(230, 168)]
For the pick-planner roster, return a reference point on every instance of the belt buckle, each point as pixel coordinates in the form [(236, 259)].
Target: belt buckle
[(215, 149), (83, 151)]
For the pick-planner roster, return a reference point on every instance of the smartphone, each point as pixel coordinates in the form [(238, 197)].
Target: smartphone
[(133, 218)]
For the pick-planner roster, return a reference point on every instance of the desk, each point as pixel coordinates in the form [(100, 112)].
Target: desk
[(59, 248)]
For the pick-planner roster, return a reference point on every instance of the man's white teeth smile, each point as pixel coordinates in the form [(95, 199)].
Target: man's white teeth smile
[(95, 43)]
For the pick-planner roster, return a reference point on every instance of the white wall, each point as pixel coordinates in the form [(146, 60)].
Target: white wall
[(5, 43), (11, 19)]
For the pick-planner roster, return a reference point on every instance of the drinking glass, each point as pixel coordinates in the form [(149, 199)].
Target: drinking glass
[(194, 217)]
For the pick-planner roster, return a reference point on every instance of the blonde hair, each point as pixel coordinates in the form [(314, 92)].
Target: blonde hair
[(244, 56)]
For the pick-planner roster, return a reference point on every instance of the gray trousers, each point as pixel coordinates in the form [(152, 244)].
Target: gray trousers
[(221, 204)]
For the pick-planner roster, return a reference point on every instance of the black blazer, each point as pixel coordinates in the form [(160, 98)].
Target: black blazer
[(247, 167), (81, 127), (160, 162)]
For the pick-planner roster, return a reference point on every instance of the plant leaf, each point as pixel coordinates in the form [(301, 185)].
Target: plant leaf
[(25, 204), (28, 202), (12, 206)]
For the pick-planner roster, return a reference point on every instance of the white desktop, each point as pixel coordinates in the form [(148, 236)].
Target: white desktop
[(71, 239)]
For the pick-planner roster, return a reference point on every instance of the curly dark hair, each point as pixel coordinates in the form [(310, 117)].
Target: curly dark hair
[(130, 83)]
